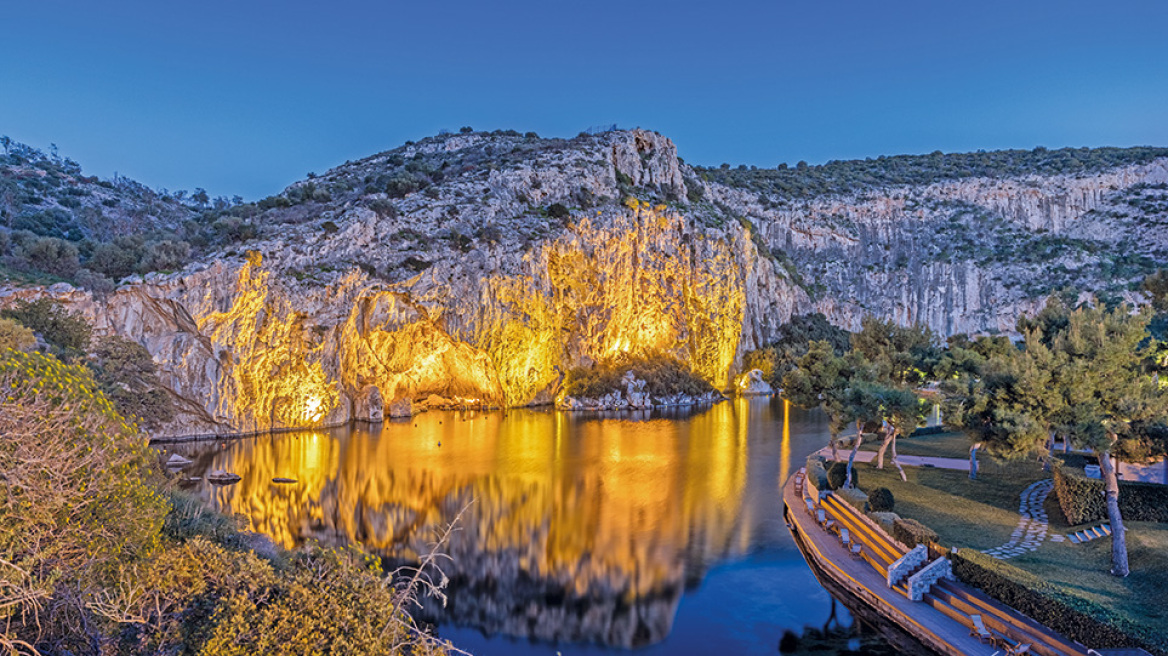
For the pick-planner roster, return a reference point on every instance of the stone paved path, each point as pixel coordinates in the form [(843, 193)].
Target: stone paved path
[(1032, 526)]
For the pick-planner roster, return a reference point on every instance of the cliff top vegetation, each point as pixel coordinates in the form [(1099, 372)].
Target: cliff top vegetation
[(851, 176)]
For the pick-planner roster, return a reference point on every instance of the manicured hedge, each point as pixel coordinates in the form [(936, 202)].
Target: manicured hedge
[(885, 519), (854, 496), (1078, 619), (881, 500), (1081, 498), (911, 532), (816, 473)]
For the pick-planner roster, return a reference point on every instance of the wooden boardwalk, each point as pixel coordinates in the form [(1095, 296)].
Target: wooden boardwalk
[(941, 620)]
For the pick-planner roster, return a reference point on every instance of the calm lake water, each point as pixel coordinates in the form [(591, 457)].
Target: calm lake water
[(580, 534)]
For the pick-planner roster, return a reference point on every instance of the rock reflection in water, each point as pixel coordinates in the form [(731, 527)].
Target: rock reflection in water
[(581, 528)]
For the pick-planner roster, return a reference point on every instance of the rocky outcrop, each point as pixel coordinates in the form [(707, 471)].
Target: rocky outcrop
[(752, 383), (634, 396), (363, 306)]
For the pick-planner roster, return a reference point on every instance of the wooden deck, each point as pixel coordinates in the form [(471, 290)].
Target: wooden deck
[(940, 621)]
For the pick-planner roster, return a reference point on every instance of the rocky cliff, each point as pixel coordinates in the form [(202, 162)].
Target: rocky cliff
[(476, 269)]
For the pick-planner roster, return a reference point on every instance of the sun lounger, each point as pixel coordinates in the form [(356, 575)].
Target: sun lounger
[(845, 538), (1012, 647), (857, 550), (979, 630)]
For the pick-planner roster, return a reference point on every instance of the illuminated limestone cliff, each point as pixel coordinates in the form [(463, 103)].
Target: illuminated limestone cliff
[(480, 268)]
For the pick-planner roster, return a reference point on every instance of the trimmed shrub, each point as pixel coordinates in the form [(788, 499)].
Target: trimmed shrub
[(1081, 498), (855, 497), (816, 473), (885, 519), (911, 532), (837, 475), (881, 500), (1076, 618)]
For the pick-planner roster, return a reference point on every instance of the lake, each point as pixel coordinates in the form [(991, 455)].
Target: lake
[(659, 531)]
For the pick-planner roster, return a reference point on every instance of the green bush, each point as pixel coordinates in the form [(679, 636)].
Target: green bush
[(68, 332), (837, 475), (15, 336), (885, 519), (125, 371), (165, 255), (881, 500), (854, 496), (911, 532), (76, 500), (558, 211), (1081, 498), (1076, 618), (53, 256), (816, 473), (663, 377)]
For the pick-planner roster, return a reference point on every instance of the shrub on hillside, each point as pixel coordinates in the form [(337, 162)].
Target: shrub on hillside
[(126, 373), (165, 255), (68, 333), (15, 336), (75, 503), (881, 500), (53, 256), (558, 211), (117, 259)]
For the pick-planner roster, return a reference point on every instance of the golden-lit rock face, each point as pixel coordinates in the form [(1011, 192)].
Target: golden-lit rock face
[(638, 283), (610, 513), (271, 365), (249, 347)]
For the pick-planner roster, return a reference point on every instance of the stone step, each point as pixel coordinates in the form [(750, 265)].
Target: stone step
[(1090, 533)]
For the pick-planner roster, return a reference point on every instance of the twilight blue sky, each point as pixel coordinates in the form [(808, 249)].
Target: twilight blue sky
[(245, 97)]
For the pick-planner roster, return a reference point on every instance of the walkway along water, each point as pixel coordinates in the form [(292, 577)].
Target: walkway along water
[(941, 619)]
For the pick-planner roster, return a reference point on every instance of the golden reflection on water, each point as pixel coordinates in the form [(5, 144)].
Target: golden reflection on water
[(620, 513)]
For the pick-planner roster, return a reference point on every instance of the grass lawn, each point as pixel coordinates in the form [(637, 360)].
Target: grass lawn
[(981, 514), (964, 513), (941, 445)]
